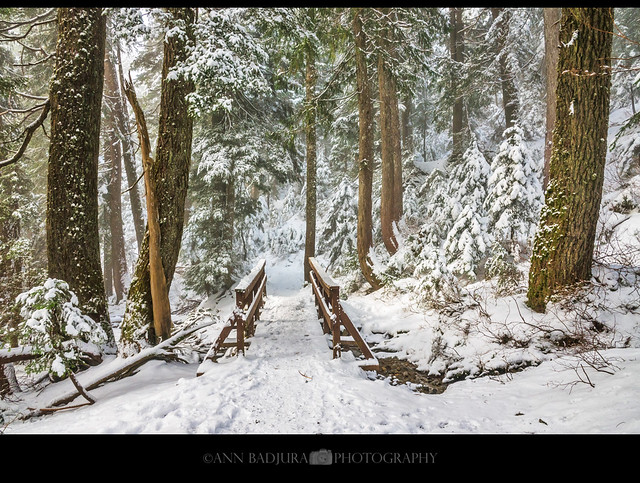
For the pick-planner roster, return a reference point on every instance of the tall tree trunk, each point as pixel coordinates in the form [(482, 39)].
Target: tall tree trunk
[(310, 138), (13, 182), (510, 102), (551, 51), (396, 140), (391, 189), (407, 142), (365, 154), (459, 118), (171, 175), (122, 118), (563, 247), (73, 243), (107, 259), (113, 156)]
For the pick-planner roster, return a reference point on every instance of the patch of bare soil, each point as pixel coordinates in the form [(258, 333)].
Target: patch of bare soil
[(404, 372)]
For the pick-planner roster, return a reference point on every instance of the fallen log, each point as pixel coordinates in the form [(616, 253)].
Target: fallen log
[(120, 368), (17, 354)]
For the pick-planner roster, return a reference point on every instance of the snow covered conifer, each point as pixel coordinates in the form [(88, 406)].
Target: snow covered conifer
[(56, 328), (467, 241), (515, 194)]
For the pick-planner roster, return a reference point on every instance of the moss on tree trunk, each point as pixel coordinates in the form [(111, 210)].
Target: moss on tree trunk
[(171, 176), (73, 244), (563, 247)]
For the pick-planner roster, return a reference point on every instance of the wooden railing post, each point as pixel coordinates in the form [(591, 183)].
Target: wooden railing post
[(335, 325), (334, 318), (239, 319), (250, 293)]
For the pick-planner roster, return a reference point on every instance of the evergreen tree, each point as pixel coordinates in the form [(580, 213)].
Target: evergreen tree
[(170, 175), (467, 242), (365, 152), (239, 145), (338, 238), (514, 194)]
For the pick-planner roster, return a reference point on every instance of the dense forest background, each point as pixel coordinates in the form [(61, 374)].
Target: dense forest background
[(408, 148)]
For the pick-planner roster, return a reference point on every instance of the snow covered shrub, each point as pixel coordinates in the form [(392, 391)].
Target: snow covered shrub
[(438, 286), (467, 242), (56, 329), (515, 194)]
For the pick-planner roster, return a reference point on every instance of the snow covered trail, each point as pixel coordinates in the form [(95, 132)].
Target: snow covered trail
[(288, 383)]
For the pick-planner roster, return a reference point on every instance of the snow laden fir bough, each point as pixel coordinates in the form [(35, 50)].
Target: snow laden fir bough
[(62, 341)]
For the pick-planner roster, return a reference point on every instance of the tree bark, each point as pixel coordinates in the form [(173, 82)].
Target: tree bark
[(407, 142), (551, 51), (161, 307), (113, 156), (170, 173), (107, 259), (563, 247), (365, 155), (459, 118), (510, 103), (391, 167), (311, 78), (73, 244), (122, 118)]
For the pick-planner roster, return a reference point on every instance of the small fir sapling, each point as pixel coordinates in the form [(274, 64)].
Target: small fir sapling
[(515, 194), (468, 242), (55, 328)]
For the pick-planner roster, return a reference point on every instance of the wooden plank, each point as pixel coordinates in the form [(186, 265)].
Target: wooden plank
[(256, 301), (326, 313), (353, 332), (325, 279), (249, 280)]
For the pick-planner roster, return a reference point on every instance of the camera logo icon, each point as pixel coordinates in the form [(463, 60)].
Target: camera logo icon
[(320, 457)]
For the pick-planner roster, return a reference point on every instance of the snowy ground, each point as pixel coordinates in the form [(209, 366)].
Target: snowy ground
[(288, 384)]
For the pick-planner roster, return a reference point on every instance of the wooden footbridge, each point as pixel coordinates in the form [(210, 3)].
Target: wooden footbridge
[(342, 335)]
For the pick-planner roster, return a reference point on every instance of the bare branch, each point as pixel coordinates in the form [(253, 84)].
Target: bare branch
[(29, 130), (14, 25)]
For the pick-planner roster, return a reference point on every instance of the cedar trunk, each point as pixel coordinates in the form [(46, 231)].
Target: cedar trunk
[(551, 51), (365, 155), (563, 248), (391, 167), (113, 156), (510, 103), (171, 175), (310, 137), (73, 244), (456, 48)]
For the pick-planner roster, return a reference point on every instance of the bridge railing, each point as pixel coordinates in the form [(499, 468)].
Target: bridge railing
[(250, 293), (335, 320)]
